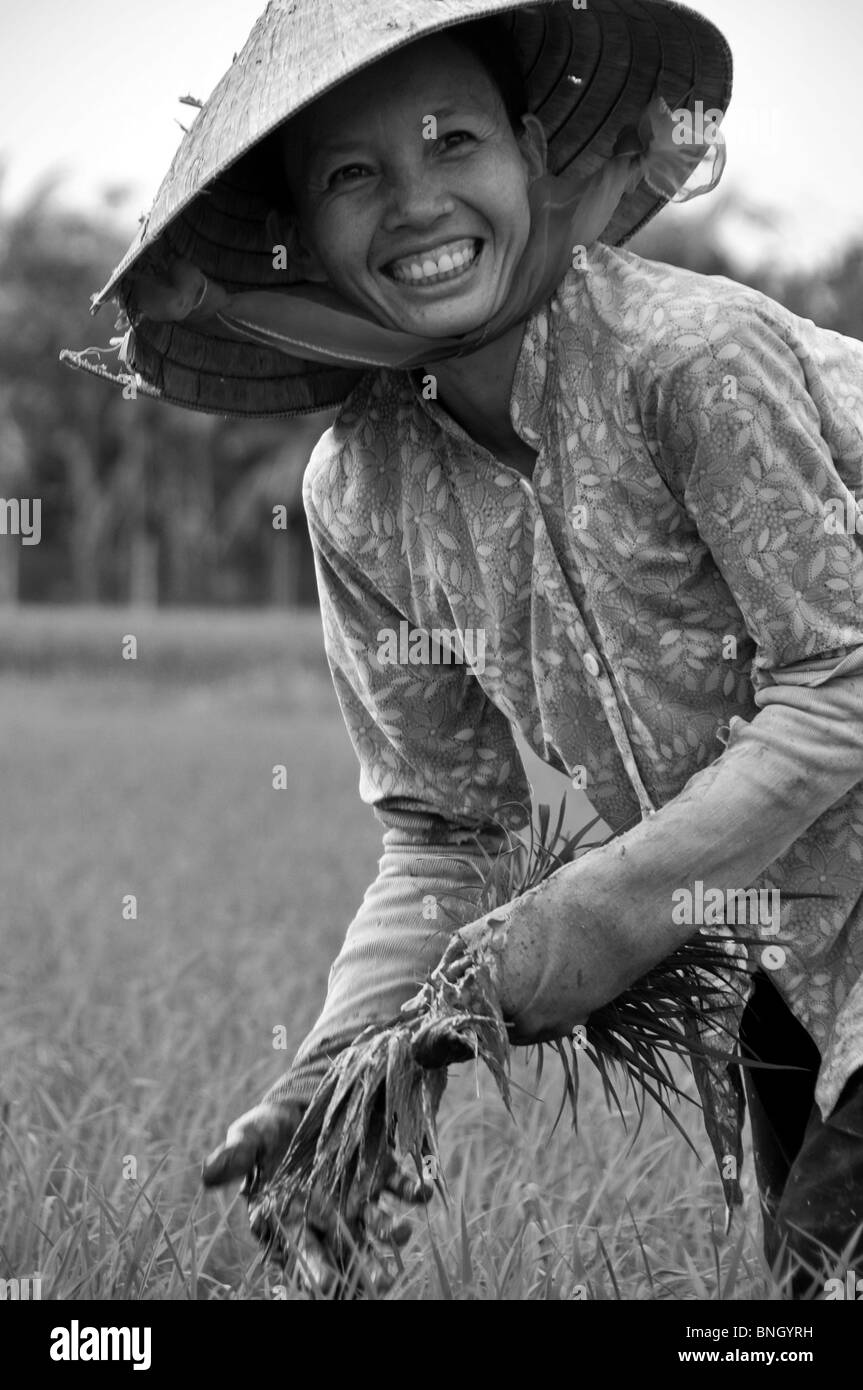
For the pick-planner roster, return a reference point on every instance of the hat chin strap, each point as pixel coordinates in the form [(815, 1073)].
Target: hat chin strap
[(568, 214)]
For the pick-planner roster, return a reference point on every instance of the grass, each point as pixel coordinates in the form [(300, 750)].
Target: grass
[(126, 1046)]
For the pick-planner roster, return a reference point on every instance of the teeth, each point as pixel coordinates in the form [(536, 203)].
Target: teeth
[(434, 266)]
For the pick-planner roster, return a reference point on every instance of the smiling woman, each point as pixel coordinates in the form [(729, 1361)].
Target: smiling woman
[(409, 186), (414, 206), (667, 619), (612, 165)]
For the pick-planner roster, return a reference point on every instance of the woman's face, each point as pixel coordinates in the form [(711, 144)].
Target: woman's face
[(424, 233)]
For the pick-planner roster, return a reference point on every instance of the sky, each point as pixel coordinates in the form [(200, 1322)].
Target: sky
[(90, 88)]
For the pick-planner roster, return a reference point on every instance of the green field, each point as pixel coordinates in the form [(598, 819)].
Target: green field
[(127, 1046)]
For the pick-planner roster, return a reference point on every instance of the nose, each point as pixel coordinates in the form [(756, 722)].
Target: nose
[(416, 197)]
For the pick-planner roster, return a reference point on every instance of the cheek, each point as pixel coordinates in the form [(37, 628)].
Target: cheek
[(341, 237), (502, 196), (514, 215)]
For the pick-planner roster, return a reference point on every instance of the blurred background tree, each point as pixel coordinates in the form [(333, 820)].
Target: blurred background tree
[(154, 505)]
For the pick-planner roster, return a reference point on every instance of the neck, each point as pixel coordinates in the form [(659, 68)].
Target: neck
[(476, 391)]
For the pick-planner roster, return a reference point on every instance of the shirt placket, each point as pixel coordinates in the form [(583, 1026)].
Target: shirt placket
[(592, 660)]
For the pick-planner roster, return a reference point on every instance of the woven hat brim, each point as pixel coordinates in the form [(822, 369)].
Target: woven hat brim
[(588, 74)]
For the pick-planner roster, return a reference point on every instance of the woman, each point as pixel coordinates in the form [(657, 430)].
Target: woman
[(620, 474)]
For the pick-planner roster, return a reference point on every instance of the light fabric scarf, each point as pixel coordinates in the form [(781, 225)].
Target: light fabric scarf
[(316, 323)]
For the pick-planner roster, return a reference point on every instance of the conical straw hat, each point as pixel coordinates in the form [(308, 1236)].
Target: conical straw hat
[(589, 74)]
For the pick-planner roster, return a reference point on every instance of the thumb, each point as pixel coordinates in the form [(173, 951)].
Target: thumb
[(257, 1139), (230, 1161)]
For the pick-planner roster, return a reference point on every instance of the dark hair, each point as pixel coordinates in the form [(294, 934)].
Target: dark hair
[(493, 45)]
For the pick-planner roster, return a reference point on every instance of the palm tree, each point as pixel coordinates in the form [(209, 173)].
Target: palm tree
[(274, 480)]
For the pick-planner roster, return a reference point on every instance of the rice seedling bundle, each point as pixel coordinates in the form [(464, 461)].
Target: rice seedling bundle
[(381, 1095)]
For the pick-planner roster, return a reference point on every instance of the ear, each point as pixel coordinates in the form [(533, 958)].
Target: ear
[(533, 145), (283, 229)]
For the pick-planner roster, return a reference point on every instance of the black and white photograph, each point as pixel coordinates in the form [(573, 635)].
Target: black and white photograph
[(431, 667)]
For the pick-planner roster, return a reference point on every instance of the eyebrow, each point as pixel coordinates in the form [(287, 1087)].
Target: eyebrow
[(465, 108), (338, 145), (326, 148)]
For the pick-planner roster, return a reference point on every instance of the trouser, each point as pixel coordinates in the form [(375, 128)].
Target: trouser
[(809, 1171)]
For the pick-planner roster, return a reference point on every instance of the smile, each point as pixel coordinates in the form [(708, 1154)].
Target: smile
[(445, 262)]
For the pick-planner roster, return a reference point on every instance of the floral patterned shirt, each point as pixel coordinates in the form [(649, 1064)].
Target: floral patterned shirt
[(688, 540)]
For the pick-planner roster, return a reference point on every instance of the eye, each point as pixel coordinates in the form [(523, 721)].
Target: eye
[(347, 174), (454, 138)]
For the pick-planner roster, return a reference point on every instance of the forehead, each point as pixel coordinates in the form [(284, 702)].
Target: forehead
[(420, 79)]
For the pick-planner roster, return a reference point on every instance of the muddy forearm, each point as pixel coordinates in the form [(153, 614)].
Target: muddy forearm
[(597, 925)]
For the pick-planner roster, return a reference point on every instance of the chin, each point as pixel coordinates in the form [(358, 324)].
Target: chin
[(457, 328), (447, 323)]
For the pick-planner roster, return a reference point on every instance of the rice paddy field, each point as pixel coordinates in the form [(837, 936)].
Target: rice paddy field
[(127, 1043)]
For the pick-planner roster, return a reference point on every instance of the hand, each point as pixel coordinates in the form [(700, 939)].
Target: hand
[(443, 1044), (468, 979), (328, 1249)]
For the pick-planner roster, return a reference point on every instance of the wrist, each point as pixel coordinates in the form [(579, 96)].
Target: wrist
[(307, 1070)]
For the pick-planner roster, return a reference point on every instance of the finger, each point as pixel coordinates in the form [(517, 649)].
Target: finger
[(342, 1257), (317, 1271), (387, 1229), (409, 1187), (457, 968), (301, 1250), (330, 1257), (305, 1256), (457, 956), (442, 1051), (277, 1237), (438, 1043)]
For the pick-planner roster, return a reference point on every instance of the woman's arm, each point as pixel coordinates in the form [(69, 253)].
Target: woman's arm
[(757, 436), (439, 765), (597, 925)]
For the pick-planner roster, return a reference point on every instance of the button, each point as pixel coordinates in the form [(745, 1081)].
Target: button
[(773, 958), (591, 664)]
